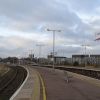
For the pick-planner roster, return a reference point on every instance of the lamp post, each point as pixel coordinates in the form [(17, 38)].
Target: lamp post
[(53, 45), (40, 50), (31, 55), (85, 46)]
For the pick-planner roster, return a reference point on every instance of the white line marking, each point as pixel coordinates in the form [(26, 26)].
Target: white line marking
[(18, 90)]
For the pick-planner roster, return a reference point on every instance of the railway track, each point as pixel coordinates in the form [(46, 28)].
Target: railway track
[(11, 81), (83, 71), (87, 72)]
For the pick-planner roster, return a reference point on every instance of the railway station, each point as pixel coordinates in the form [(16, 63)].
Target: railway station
[(49, 49), (43, 83)]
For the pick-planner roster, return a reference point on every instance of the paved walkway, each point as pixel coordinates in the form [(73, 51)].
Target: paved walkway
[(31, 89), (57, 87), (53, 85)]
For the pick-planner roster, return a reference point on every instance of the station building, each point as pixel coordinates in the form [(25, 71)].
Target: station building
[(93, 60), (58, 59), (81, 59)]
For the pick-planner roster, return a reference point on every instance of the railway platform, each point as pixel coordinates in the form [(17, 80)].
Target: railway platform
[(79, 87), (31, 89), (48, 84)]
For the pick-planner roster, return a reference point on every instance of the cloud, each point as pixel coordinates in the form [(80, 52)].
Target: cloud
[(23, 24), (86, 6), (29, 15)]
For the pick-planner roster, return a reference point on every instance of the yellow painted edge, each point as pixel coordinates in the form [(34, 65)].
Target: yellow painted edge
[(36, 87), (43, 86)]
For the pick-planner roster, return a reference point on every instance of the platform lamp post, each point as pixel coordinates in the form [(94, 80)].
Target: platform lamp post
[(31, 55), (85, 46), (53, 45), (97, 38), (40, 50)]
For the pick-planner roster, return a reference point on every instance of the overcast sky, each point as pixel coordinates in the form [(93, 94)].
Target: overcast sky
[(24, 23)]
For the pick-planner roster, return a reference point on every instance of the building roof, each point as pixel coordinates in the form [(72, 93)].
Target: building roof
[(60, 57), (95, 55), (80, 56)]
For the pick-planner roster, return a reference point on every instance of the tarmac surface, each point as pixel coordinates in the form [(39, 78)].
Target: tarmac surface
[(48, 84), (57, 87), (31, 88)]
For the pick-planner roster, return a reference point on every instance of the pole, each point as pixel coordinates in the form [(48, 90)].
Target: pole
[(53, 49), (31, 56), (54, 45), (85, 56), (85, 60), (13, 60), (40, 50)]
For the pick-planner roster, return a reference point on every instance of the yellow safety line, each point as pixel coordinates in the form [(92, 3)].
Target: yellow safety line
[(43, 86), (36, 86)]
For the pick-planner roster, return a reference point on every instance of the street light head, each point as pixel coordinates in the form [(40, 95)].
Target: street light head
[(54, 30), (48, 30), (59, 30)]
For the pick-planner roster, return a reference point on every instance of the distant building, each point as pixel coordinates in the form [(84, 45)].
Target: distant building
[(58, 59), (31, 56), (81, 59), (69, 61), (86, 59), (94, 59), (42, 60)]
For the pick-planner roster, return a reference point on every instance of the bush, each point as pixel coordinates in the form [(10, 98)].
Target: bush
[(75, 63)]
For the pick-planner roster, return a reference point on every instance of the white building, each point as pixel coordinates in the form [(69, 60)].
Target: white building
[(86, 59), (58, 59), (81, 59), (94, 59)]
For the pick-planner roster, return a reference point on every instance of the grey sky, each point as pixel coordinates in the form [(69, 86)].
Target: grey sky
[(23, 24)]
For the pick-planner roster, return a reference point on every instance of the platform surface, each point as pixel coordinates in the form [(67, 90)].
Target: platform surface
[(78, 87)]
